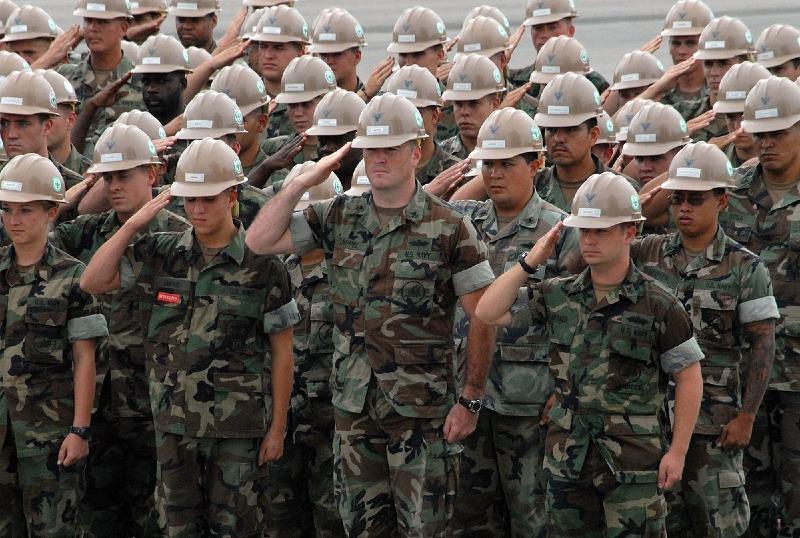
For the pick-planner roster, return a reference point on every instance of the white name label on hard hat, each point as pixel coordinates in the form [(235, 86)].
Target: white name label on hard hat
[(462, 86), (134, 5), (765, 55), (377, 130), (362, 180), (589, 211), (472, 47), (16, 101), (326, 122), (760, 114), (194, 177), (95, 7), (551, 69), (736, 94), (151, 60), (11, 186), (681, 24), (199, 124), (623, 130), (715, 44), (306, 196), (110, 157), (186, 5), (271, 30), (557, 109), (647, 137), (327, 37), (688, 172), (406, 38), (408, 94), (24, 28), (494, 144), (629, 77), (299, 87), (541, 12)]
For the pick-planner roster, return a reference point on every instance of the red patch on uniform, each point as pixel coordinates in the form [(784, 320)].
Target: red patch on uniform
[(171, 298)]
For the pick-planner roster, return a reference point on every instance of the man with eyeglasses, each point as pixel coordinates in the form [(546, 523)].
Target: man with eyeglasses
[(728, 293)]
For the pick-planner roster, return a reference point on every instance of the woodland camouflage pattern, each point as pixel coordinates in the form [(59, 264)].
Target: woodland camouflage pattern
[(438, 163)]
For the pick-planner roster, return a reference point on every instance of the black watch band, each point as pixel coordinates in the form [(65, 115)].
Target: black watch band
[(474, 406), (528, 269), (80, 431)]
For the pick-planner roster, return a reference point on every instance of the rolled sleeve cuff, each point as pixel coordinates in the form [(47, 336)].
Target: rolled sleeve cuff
[(87, 327), (681, 356), (758, 310), (302, 236), (476, 277), (281, 318)]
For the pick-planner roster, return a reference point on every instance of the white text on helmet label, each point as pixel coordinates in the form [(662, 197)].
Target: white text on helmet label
[(186, 5), (151, 60), (110, 157), (589, 212), (544, 12), (557, 109), (16, 101), (688, 172), (472, 47), (408, 94), (194, 177), (326, 37), (646, 137), (19, 28), (95, 7), (681, 24), (406, 38), (715, 44), (11, 186), (327, 122), (199, 124), (271, 30), (299, 87), (494, 144), (765, 55), (377, 130), (462, 86), (736, 94), (551, 69), (629, 77), (766, 113)]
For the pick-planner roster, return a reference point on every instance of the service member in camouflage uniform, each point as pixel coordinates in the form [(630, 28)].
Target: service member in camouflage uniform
[(502, 487), (163, 65), (616, 336), (104, 25), (728, 293), (398, 260), (723, 43), (195, 22), (281, 35), (301, 482), (59, 142), (49, 332), (560, 54), (761, 216), (605, 148), (337, 38), (416, 84), (121, 475), (217, 348), (635, 72), (778, 49)]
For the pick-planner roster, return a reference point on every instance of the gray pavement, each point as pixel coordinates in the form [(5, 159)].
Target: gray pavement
[(607, 28)]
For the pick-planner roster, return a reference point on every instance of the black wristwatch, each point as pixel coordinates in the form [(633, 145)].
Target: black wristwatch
[(528, 269), (80, 431), (474, 406)]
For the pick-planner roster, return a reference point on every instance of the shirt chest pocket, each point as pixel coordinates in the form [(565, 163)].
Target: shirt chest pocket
[(320, 338), (345, 276), (414, 287), (240, 324), (45, 330), (524, 371), (713, 317), (631, 368)]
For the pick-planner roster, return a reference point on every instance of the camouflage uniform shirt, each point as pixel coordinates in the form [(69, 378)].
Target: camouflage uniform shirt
[(438, 163), (394, 291), (455, 147), (76, 162), (518, 77), (270, 145), (692, 109)]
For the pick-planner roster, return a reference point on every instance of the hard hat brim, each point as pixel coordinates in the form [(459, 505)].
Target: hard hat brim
[(553, 17), (26, 110), (633, 84), (729, 107), (160, 68), (779, 60), (404, 48), (143, 10), (645, 149), (247, 109), (8, 38), (483, 52), (505, 153), (186, 190), (101, 168), (264, 38), (108, 15), (383, 141), (290, 98), (322, 130), (765, 125), (191, 13), (331, 48), (545, 78), (23, 197), (597, 222), (562, 120), (724, 54), (676, 32), (452, 95), (676, 184), (199, 134)]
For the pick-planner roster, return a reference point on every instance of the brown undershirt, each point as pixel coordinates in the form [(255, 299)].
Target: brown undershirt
[(777, 190), (569, 188), (386, 214), (209, 253), (601, 291)]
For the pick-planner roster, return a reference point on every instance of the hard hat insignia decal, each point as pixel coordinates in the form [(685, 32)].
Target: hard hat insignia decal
[(418, 118), (359, 31), (260, 86), (329, 77), (558, 95), (53, 101), (730, 169), (494, 129), (337, 186), (237, 116), (535, 133), (440, 27), (683, 125), (237, 165), (610, 125), (151, 147), (765, 100), (635, 202), (590, 198), (58, 184), (497, 77), (584, 57), (376, 117)]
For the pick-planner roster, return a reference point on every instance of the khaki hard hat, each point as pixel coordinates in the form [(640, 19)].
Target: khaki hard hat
[(624, 116), (699, 167), (211, 114), (193, 8), (197, 56), (250, 25), (545, 11), (144, 121), (305, 78), (281, 24), (488, 11), (122, 147), (736, 84), (130, 50), (267, 3), (336, 31), (608, 131), (777, 45), (10, 62), (243, 85), (568, 100), (206, 168), (417, 29), (637, 69), (482, 35), (65, 92), (687, 17), (7, 7), (29, 22), (31, 178), (655, 130), (772, 105), (417, 84), (561, 54), (103, 9), (724, 38), (506, 133), (388, 121), (337, 113), (162, 54), (604, 200), (330, 188), (473, 77), (359, 184), (27, 93), (140, 7), (3, 154)]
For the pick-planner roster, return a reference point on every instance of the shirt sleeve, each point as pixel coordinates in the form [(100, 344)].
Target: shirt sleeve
[(677, 346), (756, 302), (280, 309), (84, 320), (307, 227), (469, 264)]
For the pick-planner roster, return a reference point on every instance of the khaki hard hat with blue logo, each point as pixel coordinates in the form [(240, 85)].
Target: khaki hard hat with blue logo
[(388, 121), (27, 93), (206, 168), (655, 130), (482, 35), (337, 113), (637, 69), (561, 54), (725, 38), (473, 77), (31, 178), (604, 200), (305, 78), (568, 100), (161, 54), (330, 188), (417, 84), (144, 121), (506, 133), (699, 167), (736, 84), (772, 105), (103, 9), (417, 29), (122, 147), (546, 11), (336, 30), (30, 22), (281, 24), (777, 45), (211, 114), (686, 18), (243, 85)]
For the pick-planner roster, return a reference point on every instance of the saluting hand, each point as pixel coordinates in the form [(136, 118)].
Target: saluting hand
[(320, 171), (111, 93), (148, 211)]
